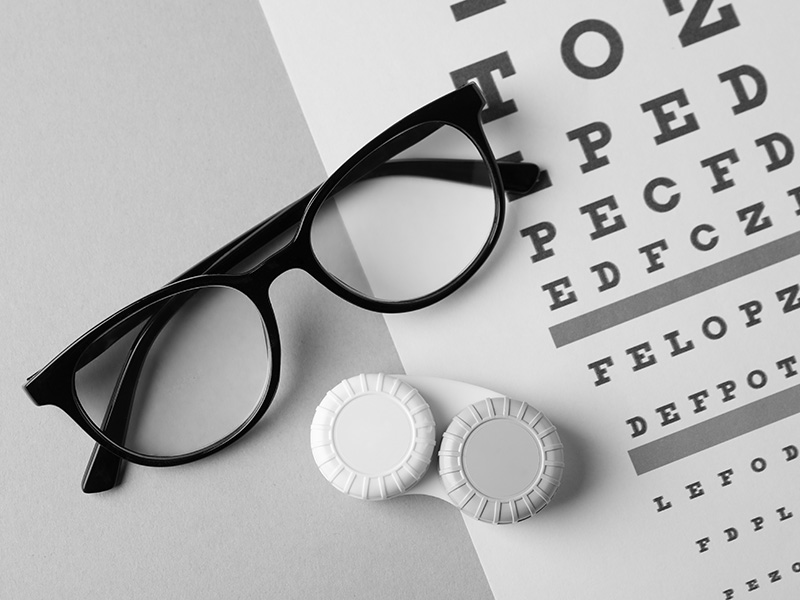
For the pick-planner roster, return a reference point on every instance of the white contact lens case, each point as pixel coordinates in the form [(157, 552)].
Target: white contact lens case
[(375, 437)]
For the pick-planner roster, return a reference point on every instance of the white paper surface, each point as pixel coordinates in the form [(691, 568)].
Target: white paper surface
[(668, 130)]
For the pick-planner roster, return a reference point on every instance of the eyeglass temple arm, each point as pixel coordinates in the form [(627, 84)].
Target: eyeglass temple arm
[(520, 178), (104, 467)]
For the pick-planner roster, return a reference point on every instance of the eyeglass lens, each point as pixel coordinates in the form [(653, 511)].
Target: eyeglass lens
[(203, 376), (401, 237)]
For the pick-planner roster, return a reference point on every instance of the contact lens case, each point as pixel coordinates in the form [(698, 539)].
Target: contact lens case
[(375, 437)]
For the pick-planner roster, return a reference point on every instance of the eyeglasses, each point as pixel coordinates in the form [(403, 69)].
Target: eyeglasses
[(190, 368)]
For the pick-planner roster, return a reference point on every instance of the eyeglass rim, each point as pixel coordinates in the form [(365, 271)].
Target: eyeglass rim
[(459, 109), (63, 373)]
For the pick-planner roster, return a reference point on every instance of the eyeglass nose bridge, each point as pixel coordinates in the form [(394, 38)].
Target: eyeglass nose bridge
[(297, 254)]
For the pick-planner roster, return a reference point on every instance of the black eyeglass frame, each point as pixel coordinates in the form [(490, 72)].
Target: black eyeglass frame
[(461, 109)]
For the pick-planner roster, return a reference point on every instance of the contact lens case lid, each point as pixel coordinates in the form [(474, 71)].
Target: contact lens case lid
[(372, 436), (501, 460)]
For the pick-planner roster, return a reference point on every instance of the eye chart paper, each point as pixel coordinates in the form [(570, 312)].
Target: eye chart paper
[(646, 297)]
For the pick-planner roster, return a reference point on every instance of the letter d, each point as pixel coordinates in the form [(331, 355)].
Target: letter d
[(791, 452)]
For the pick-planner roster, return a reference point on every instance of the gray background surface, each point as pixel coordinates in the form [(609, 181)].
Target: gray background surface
[(135, 138)]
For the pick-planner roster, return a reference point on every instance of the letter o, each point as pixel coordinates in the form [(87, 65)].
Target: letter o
[(757, 384), (721, 331), (570, 39), (758, 464), (796, 567)]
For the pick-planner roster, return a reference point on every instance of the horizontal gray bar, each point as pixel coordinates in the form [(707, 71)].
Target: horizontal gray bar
[(676, 290), (716, 430)]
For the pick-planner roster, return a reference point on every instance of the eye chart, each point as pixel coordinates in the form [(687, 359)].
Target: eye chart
[(646, 297)]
